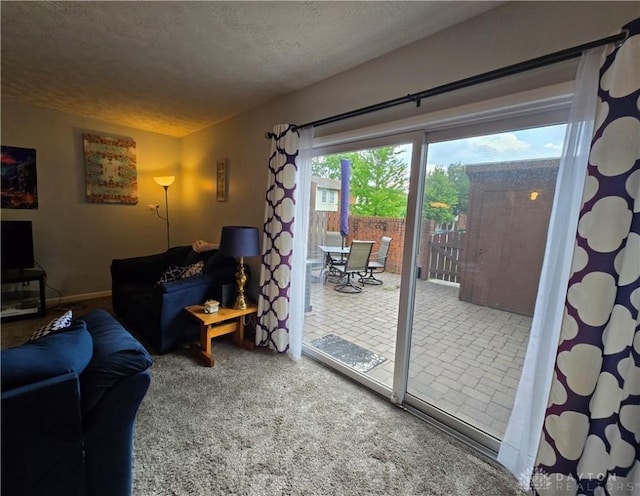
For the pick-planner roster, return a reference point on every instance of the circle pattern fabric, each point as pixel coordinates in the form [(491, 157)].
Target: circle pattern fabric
[(590, 443)]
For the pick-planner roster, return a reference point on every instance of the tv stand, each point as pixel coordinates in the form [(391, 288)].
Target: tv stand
[(23, 303)]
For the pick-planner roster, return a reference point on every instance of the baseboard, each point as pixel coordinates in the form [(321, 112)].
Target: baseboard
[(79, 297)]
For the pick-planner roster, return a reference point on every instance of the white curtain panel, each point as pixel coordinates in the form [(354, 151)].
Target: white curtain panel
[(522, 436), (300, 237)]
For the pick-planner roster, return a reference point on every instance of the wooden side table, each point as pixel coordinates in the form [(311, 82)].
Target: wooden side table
[(212, 325)]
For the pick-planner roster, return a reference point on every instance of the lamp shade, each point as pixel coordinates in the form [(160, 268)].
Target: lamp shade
[(164, 181), (239, 241)]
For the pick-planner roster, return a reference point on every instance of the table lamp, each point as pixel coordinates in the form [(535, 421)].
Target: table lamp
[(240, 241)]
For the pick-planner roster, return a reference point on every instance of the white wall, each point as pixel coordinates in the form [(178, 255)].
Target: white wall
[(76, 241), (514, 32)]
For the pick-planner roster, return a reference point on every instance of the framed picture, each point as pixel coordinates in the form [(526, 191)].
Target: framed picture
[(19, 178), (221, 180), (110, 169)]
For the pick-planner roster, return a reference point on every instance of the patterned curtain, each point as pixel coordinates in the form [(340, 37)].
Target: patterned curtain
[(273, 325), (590, 443)]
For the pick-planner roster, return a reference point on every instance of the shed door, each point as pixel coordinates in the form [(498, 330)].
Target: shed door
[(512, 237)]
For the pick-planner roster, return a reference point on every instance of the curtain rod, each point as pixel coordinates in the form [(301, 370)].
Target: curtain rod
[(544, 60)]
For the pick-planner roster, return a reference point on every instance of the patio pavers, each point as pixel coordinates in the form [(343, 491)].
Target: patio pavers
[(465, 359)]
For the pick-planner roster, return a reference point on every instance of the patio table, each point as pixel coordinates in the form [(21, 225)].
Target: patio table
[(330, 261)]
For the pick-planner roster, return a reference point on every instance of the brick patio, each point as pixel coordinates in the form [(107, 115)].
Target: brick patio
[(465, 359)]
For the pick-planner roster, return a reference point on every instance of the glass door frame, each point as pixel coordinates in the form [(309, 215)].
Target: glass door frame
[(416, 139), (543, 106), (464, 431)]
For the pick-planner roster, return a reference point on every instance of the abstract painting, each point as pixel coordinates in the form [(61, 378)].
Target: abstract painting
[(110, 169), (19, 179)]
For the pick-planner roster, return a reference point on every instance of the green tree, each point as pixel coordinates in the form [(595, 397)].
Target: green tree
[(458, 177), (379, 180), (440, 196), (328, 166)]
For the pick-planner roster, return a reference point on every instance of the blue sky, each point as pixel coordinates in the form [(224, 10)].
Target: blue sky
[(528, 144), (543, 142)]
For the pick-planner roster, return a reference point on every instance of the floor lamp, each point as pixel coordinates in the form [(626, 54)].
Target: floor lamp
[(165, 182)]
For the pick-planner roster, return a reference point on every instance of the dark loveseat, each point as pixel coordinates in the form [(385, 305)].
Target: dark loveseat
[(69, 402), (156, 309)]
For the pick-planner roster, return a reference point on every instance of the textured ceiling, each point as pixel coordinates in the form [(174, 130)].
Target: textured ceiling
[(177, 67)]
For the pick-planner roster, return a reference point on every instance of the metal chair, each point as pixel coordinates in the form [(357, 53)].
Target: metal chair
[(333, 238), (356, 265), (377, 263)]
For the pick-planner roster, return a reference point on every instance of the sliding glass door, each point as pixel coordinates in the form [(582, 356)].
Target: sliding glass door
[(446, 332), (359, 192), (484, 218)]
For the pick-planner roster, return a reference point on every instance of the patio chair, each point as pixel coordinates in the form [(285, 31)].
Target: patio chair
[(356, 265), (377, 262), (333, 238)]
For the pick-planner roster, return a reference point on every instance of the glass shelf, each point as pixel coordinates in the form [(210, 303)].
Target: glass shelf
[(19, 300)]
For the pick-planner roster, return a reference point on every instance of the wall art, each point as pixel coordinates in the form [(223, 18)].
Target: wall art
[(221, 180), (110, 169), (19, 179)]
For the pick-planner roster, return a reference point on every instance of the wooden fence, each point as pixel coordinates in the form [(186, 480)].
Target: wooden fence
[(318, 226), (439, 252), (445, 254)]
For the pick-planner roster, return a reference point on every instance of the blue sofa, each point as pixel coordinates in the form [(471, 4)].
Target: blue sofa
[(69, 402), (155, 309)]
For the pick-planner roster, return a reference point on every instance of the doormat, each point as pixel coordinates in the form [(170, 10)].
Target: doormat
[(352, 355)]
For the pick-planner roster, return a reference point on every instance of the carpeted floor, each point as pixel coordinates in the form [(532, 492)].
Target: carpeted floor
[(261, 424)]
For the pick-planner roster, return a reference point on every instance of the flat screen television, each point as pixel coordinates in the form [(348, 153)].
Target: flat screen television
[(17, 244)]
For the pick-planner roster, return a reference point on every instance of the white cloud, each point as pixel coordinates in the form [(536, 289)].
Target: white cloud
[(554, 146), (502, 142), (527, 144)]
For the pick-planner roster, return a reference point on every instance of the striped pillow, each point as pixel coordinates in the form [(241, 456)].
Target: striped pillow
[(52, 326)]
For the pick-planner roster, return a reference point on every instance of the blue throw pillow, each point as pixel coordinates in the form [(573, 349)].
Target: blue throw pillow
[(219, 261), (50, 356), (193, 257), (116, 356)]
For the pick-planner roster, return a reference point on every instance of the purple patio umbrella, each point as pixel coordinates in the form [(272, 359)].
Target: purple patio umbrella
[(345, 180)]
